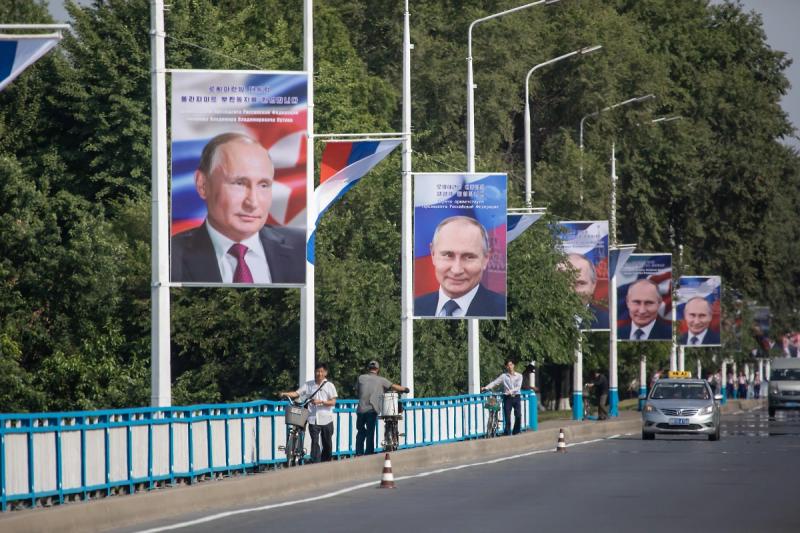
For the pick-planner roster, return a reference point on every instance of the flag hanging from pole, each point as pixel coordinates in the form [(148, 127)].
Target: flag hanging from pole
[(343, 164), (18, 52), (517, 224)]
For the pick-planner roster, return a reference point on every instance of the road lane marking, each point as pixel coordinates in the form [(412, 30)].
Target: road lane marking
[(360, 486)]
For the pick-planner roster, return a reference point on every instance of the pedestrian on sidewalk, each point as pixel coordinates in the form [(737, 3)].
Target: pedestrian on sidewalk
[(321, 395), (600, 388), (370, 388), (512, 383)]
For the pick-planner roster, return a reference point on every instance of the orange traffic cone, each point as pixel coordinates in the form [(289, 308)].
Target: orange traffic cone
[(562, 444), (387, 480)]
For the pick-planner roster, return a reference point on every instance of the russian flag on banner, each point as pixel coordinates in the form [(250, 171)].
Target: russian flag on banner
[(517, 224), (343, 164), (18, 52)]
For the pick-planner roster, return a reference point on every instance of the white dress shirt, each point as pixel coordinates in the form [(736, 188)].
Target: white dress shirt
[(512, 383), (318, 414), (462, 301), (647, 329), (255, 257), (700, 336)]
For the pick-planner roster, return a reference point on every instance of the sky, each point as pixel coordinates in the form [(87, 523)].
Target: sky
[(780, 19)]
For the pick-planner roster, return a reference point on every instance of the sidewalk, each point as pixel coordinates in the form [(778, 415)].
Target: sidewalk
[(129, 510)]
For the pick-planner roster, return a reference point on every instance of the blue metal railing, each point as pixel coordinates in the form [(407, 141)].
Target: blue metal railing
[(52, 457)]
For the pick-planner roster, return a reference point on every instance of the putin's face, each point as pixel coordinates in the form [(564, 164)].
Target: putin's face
[(643, 301), (459, 258), (238, 190), (698, 315), (584, 286)]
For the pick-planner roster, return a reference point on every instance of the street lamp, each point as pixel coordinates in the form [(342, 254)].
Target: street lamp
[(609, 108), (528, 164), (473, 385), (471, 85)]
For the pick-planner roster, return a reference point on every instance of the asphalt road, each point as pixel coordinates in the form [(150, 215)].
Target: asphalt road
[(745, 482)]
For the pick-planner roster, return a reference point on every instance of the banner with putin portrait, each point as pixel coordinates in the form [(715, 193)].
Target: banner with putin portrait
[(699, 310), (238, 178), (644, 298), (460, 245), (585, 243)]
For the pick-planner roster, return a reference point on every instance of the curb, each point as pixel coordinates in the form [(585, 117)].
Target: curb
[(147, 507)]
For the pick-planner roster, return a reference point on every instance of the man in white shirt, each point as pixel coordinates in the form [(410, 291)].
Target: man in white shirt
[(512, 383), (322, 396), (235, 244)]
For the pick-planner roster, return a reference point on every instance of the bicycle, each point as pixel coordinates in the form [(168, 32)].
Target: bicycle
[(492, 406), (296, 416), (391, 414)]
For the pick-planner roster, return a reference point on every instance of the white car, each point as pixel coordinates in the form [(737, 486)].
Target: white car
[(681, 406)]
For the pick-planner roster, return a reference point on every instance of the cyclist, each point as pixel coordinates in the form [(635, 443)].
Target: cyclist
[(322, 398), (370, 388), (512, 383)]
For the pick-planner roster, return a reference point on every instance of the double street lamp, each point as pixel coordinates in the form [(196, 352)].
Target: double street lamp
[(528, 158), (473, 366)]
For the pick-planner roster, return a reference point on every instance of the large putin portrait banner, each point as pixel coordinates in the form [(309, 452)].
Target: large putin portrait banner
[(699, 310), (460, 245), (586, 246), (644, 298), (238, 178)]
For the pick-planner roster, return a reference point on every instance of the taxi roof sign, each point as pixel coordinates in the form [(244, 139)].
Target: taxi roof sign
[(679, 374)]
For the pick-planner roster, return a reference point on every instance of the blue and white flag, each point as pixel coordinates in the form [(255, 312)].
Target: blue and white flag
[(18, 52), (343, 164), (517, 224)]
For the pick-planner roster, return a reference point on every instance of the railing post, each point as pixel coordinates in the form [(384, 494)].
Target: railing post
[(59, 462)]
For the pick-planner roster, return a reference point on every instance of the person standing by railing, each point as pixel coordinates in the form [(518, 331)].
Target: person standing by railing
[(512, 383), (370, 388), (321, 395)]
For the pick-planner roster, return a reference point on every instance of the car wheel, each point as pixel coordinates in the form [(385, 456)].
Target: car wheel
[(648, 436), (714, 436), (771, 412)]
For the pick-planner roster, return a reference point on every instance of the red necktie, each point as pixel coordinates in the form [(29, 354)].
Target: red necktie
[(242, 273)]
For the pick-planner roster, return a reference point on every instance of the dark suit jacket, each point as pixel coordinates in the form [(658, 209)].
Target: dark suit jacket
[(712, 337), (486, 303), (662, 331), (193, 258), (600, 320)]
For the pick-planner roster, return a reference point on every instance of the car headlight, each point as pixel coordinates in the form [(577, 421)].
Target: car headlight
[(707, 410), (775, 392), (649, 409)]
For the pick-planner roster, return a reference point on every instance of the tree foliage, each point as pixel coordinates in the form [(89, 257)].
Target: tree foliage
[(75, 185)]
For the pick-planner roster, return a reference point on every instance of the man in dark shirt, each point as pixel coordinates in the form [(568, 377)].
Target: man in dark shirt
[(600, 389)]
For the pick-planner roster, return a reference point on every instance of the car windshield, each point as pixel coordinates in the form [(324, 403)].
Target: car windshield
[(680, 391), (785, 374)]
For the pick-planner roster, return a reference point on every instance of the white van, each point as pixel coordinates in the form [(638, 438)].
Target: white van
[(784, 384)]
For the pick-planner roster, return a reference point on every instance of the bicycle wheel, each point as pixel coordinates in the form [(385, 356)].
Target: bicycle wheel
[(299, 451), (291, 448), (491, 425), (389, 435)]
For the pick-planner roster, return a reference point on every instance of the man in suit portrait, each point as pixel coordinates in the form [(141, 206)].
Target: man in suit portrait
[(460, 254), (235, 244), (585, 283), (643, 301), (697, 313)]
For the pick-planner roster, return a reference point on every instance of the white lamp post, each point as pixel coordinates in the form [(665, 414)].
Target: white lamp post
[(609, 108), (473, 333), (528, 164)]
